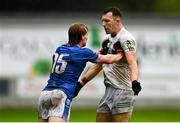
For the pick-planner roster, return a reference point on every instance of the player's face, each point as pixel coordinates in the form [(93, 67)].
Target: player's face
[(109, 23), (84, 39)]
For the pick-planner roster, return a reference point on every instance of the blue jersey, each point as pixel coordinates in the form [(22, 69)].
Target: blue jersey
[(68, 63)]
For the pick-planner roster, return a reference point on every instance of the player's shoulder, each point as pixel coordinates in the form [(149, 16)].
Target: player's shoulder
[(59, 47), (86, 50), (125, 35), (62, 48)]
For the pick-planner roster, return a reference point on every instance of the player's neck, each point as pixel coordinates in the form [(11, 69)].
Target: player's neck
[(80, 45)]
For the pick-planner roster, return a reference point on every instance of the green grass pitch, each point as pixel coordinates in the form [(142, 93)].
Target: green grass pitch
[(88, 115)]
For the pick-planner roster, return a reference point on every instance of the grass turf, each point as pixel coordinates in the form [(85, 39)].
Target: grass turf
[(88, 115)]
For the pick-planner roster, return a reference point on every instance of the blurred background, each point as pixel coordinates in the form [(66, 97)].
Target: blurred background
[(30, 31)]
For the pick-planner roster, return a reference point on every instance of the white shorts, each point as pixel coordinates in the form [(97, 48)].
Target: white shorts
[(116, 101), (54, 103)]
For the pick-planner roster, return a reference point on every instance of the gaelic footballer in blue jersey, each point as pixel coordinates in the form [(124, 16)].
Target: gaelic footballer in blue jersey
[(69, 60)]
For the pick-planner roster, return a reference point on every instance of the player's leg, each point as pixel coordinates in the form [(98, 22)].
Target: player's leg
[(56, 119), (103, 111), (60, 109), (122, 105), (122, 117), (43, 106), (103, 117), (42, 120)]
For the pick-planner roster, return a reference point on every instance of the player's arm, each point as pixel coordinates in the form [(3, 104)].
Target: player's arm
[(132, 62), (91, 73), (96, 68), (129, 47), (109, 58)]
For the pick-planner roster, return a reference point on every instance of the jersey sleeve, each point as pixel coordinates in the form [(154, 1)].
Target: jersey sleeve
[(89, 55), (128, 43)]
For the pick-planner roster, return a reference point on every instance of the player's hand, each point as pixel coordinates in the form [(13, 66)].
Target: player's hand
[(117, 48), (77, 89), (136, 86), (105, 48)]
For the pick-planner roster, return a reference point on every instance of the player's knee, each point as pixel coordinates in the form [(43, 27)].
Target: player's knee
[(122, 117)]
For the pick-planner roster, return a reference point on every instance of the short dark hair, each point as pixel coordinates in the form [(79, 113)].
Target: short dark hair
[(115, 11), (75, 32)]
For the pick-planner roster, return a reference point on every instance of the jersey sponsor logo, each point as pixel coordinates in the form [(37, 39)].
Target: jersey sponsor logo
[(129, 45)]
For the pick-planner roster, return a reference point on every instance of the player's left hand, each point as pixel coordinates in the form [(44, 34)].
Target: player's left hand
[(136, 86)]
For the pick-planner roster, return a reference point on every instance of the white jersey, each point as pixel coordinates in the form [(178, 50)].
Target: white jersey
[(118, 74)]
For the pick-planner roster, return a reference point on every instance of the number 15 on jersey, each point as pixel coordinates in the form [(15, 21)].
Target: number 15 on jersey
[(59, 65)]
